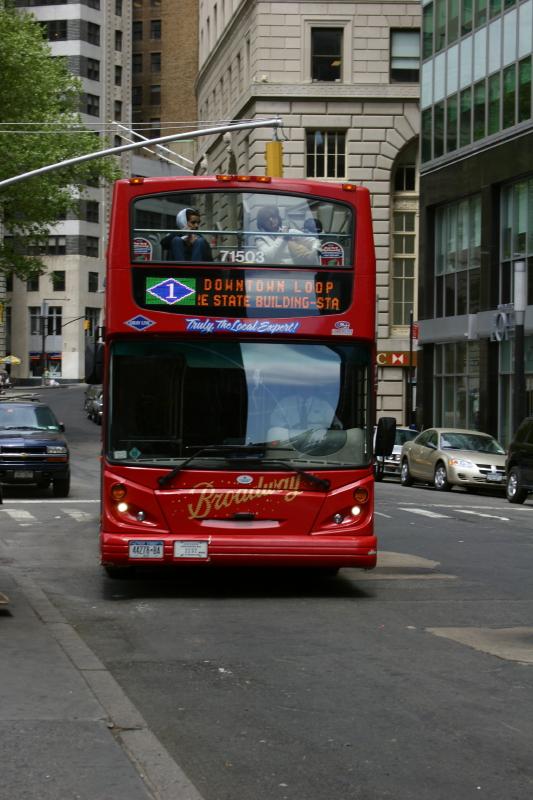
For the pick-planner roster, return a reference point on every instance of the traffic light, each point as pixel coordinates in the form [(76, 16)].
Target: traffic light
[(86, 325), (274, 159)]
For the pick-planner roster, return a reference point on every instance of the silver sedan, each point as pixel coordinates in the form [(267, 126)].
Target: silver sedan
[(448, 457)]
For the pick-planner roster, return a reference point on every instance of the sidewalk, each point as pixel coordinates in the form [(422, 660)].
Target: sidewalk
[(67, 730)]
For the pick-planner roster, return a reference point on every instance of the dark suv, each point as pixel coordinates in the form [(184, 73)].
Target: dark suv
[(519, 463), (33, 449)]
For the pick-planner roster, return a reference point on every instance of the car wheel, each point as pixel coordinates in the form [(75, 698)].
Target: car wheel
[(440, 478), (513, 491), (61, 487), (406, 478)]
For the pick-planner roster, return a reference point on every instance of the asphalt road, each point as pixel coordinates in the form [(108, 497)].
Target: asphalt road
[(411, 681)]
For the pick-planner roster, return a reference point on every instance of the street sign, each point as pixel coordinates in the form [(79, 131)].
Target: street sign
[(395, 358)]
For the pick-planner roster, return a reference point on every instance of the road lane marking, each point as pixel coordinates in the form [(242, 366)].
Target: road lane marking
[(511, 644), (20, 516), (79, 516), (381, 514), (425, 513), (479, 514)]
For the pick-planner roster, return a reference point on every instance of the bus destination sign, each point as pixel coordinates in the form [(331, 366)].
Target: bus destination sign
[(234, 292)]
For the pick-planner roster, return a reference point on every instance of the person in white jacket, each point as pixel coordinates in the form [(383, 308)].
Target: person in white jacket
[(289, 248)]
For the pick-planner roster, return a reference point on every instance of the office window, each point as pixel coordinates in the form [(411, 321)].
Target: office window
[(137, 63), (91, 105), (9, 282), (93, 69), (427, 133), (118, 110), (405, 177), (92, 210), (466, 16), (440, 24), (155, 128), (91, 246), (34, 313), (494, 103), (118, 8), (509, 96), (137, 30), (56, 30), (458, 258), (93, 33), (456, 395), (155, 95), (479, 110), (155, 62), (54, 321), (32, 283), (453, 20), (326, 154), (92, 285), (137, 95), (155, 29), (427, 28), (326, 54), (405, 56), (516, 237), (118, 41), (480, 13), (118, 75), (451, 124), (59, 282), (524, 89), (465, 118), (438, 130), (56, 246), (403, 266)]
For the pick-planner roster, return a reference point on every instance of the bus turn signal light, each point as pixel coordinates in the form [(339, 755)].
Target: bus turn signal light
[(136, 180), (244, 178), (361, 494), (118, 491)]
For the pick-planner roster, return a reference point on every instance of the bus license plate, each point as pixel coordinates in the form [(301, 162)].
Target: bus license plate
[(190, 549), (146, 549)]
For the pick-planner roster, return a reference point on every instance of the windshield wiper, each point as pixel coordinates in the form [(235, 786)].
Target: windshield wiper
[(246, 453), (214, 449)]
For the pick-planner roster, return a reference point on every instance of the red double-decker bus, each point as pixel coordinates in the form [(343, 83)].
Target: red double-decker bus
[(238, 361)]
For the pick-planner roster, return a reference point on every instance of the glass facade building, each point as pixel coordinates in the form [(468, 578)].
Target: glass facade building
[(476, 217)]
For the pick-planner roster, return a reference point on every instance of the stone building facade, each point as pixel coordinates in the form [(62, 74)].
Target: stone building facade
[(343, 76)]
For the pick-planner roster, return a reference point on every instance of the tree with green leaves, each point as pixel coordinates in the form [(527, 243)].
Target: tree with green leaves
[(39, 125)]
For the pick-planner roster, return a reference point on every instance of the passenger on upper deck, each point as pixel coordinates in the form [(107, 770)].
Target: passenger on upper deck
[(286, 249), (189, 246)]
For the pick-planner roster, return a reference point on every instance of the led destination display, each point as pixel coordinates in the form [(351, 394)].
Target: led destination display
[(243, 294)]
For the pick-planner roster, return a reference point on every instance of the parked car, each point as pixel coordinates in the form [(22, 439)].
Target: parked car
[(519, 464), (390, 465), (448, 457), (33, 449), (93, 403)]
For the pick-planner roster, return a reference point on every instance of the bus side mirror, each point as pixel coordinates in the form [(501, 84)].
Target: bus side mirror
[(385, 436), (94, 361)]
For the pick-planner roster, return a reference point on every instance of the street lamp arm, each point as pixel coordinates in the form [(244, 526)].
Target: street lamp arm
[(274, 122), (64, 324)]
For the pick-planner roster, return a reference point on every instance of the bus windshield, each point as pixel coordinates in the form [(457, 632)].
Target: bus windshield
[(306, 403), (236, 227)]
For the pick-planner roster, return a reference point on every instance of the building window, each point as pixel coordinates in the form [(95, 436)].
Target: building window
[(9, 282), (516, 237), (118, 41), (403, 266), (59, 282), (93, 33), (155, 29), (118, 109), (54, 321), (118, 75), (32, 283), (155, 127), (56, 30), (405, 56), (458, 258), (93, 69), (92, 285), (326, 54), (92, 105), (35, 320), (155, 62), (118, 8), (137, 30), (137, 95), (92, 211), (326, 154), (155, 95), (456, 371), (91, 246), (137, 63), (57, 246)]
